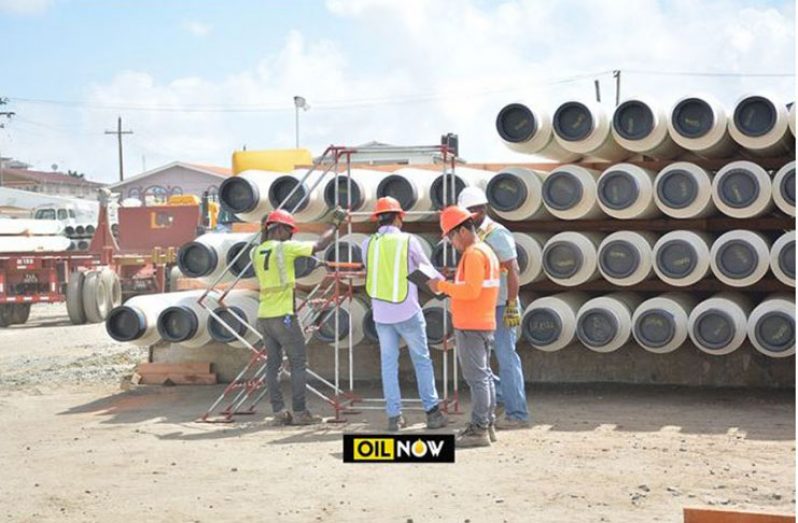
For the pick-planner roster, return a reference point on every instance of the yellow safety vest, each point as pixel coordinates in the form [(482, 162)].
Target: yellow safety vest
[(386, 267)]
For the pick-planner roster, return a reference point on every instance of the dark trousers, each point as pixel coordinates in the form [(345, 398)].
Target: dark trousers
[(278, 336)]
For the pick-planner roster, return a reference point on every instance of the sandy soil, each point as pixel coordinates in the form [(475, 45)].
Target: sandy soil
[(75, 447)]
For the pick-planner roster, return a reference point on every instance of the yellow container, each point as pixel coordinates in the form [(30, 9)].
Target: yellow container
[(280, 160), (183, 199)]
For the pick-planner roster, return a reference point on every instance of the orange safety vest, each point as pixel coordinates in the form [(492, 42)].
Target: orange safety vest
[(480, 313)]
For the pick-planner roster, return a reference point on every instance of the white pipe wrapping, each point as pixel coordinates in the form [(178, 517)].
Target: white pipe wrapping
[(34, 243), (700, 125), (185, 322), (642, 128), (742, 189), (782, 258), (348, 243), (740, 258), (681, 258), (247, 194), (434, 312), (411, 188), (784, 189), (604, 324), (356, 308), (516, 193), (528, 130), (308, 270), (570, 258), (370, 330), (364, 191), (451, 254), (529, 249), (306, 203), (585, 129), (26, 226), (549, 323), (719, 325), (626, 192), (244, 304), (136, 321), (206, 257), (659, 324), (791, 119), (569, 193), (625, 257), (771, 326), (761, 126), (684, 190), (463, 177)]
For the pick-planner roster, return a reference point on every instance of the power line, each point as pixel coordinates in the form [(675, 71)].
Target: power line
[(710, 73)]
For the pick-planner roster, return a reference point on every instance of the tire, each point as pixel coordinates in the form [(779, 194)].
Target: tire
[(96, 298), (5, 314), (113, 286), (20, 312), (74, 298)]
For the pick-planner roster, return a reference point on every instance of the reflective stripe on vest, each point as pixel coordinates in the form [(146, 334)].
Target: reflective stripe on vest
[(386, 267), (276, 262), (492, 278)]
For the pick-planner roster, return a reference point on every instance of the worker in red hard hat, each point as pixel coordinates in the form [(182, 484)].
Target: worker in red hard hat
[(391, 255), (474, 293), (273, 262)]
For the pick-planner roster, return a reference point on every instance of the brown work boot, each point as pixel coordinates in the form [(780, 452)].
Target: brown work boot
[(281, 418), (492, 433), (511, 424), (436, 419), (304, 417), (473, 436), (396, 423)]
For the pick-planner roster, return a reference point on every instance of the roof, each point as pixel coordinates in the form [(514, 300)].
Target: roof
[(50, 177), (220, 172)]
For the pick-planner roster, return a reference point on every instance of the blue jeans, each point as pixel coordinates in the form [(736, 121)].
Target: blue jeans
[(414, 332), (510, 381)]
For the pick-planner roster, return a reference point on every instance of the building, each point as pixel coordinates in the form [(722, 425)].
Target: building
[(156, 185), (54, 183)]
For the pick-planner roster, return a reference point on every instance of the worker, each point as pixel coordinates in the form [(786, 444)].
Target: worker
[(510, 391), (390, 256), (474, 293), (273, 261)]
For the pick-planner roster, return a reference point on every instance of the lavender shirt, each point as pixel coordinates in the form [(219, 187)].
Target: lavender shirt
[(388, 313)]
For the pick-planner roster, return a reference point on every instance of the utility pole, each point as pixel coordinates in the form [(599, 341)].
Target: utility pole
[(7, 114), (598, 90), (119, 132), (617, 75)]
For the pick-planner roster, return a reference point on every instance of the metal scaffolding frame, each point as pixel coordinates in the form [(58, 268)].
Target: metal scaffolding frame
[(243, 394)]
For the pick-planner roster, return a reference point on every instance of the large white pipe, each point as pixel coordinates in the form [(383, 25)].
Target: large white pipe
[(585, 129), (364, 184), (659, 324), (515, 193), (370, 330), (308, 270), (25, 226), (185, 322), (771, 326), (626, 192), (784, 189), (625, 257), (700, 125), (349, 250), (719, 325), (436, 314), (569, 193), (742, 189), (356, 310), (529, 250), (528, 130), (463, 177), (241, 263), (761, 126), (241, 304), (549, 323), (34, 243), (247, 194), (306, 203), (681, 258), (791, 118), (740, 258), (604, 324), (411, 188), (443, 250), (207, 256), (782, 258), (570, 258), (642, 128), (136, 321), (684, 190)]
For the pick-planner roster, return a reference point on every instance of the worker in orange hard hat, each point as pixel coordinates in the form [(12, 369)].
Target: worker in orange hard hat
[(390, 256), (474, 293), (273, 262)]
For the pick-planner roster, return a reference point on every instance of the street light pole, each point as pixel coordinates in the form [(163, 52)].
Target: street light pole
[(299, 103)]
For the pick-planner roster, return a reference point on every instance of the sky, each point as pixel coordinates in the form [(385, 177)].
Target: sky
[(197, 79)]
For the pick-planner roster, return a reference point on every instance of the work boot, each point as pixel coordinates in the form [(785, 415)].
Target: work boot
[(506, 423), (304, 417), (436, 419), (473, 436), (281, 418), (396, 422), (492, 433)]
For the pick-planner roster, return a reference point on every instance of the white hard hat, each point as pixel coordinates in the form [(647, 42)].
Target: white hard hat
[(472, 197)]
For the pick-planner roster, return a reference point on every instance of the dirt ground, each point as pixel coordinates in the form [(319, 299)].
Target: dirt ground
[(75, 447)]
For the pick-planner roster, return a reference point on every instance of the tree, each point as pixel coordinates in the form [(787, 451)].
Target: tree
[(75, 174)]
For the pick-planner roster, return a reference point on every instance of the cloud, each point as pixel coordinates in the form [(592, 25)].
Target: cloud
[(25, 7), (196, 28)]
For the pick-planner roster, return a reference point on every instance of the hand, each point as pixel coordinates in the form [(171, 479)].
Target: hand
[(512, 314), (433, 285), (338, 216)]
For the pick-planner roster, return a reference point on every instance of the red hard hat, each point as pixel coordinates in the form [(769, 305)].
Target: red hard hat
[(386, 204), (453, 216), (281, 216)]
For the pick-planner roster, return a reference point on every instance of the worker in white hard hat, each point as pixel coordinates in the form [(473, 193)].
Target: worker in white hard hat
[(511, 411)]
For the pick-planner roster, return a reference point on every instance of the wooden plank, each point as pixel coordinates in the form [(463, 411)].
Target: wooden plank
[(178, 379), (704, 515), (202, 367)]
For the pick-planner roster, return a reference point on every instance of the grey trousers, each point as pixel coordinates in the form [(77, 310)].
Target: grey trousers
[(278, 336), (473, 353)]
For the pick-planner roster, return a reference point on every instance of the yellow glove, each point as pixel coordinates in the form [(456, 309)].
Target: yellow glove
[(338, 216), (512, 314)]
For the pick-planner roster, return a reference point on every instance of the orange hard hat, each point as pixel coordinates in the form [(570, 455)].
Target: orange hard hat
[(281, 216), (387, 204), (453, 216)]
